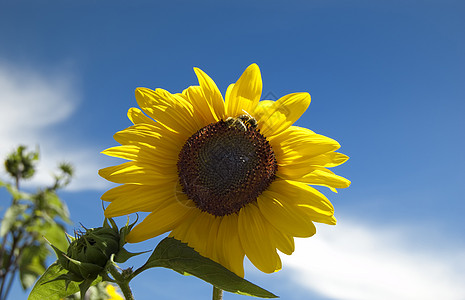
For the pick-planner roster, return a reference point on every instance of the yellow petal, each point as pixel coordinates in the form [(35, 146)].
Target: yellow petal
[(198, 232), (282, 241), (306, 198), (294, 171), (214, 237), (130, 190), (263, 108), (130, 198), (112, 293), (211, 94), (148, 135), (195, 96), (137, 117), (144, 154), (137, 172), (245, 94), (275, 117), (163, 219), (299, 145), (328, 160), (230, 251), (213, 244), (170, 110), (129, 152), (256, 241), (228, 93), (286, 217), (321, 176), (181, 230), (279, 264)]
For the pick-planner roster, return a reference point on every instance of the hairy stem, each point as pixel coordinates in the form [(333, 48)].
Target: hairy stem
[(217, 293), (121, 281)]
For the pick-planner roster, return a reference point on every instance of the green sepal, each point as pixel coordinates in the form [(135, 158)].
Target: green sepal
[(173, 254), (61, 256), (123, 255), (112, 222), (85, 285), (74, 277), (124, 231), (70, 238), (94, 254), (85, 269)]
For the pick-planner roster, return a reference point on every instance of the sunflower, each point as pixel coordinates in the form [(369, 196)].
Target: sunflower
[(228, 177), (112, 293)]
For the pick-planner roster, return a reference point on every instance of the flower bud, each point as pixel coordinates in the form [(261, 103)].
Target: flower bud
[(88, 254)]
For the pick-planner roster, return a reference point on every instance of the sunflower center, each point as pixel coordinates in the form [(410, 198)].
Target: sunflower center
[(224, 167)]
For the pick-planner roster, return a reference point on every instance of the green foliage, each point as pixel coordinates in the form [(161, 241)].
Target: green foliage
[(11, 219), (48, 288), (21, 165), (173, 254), (29, 218), (14, 191), (31, 264)]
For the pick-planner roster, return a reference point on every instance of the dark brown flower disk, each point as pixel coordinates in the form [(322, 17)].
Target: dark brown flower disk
[(222, 168)]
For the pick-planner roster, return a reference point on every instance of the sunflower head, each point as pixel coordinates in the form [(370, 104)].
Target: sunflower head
[(228, 176), (225, 166)]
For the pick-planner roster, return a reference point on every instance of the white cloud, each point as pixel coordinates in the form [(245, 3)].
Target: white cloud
[(32, 105), (352, 261)]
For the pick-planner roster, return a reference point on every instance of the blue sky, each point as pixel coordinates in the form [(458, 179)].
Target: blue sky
[(386, 80)]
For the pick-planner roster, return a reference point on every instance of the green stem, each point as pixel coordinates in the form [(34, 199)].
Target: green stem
[(217, 293), (8, 288), (121, 281), (12, 261)]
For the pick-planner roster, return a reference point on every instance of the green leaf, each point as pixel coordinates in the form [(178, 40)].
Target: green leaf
[(55, 234), (27, 279), (14, 192), (46, 288), (32, 264), (173, 254), (49, 205), (55, 206), (10, 217)]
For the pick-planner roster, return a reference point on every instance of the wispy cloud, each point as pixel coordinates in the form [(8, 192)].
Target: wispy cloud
[(364, 262), (32, 105)]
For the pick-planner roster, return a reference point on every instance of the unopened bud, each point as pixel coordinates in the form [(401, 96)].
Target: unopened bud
[(88, 254)]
